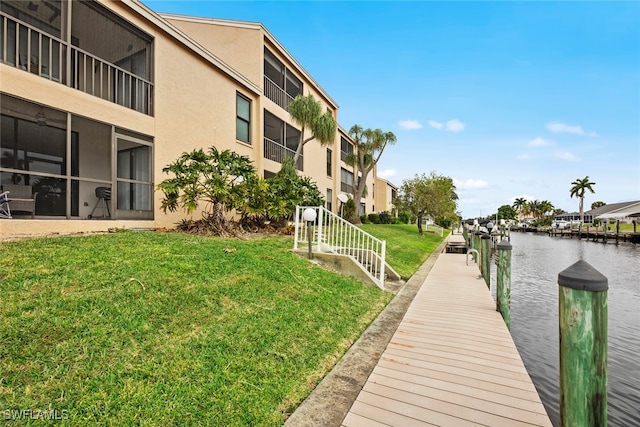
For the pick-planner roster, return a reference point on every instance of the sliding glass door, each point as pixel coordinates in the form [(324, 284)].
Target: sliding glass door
[(134, 172)]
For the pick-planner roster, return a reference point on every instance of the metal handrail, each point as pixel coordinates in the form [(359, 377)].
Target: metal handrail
[(278, 152), (276, 93), (333, 234)]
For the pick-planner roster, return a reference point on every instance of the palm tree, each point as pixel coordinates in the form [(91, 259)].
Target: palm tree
[(519, 205), (369, 144), (580, 187), (545, 207), (307, 112)]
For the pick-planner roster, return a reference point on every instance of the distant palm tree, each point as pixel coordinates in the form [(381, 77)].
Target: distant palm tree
[(545, 208), (307, 112), (580, 187), (519, 205)]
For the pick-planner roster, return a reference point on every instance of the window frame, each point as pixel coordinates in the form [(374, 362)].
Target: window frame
[(243, 120)]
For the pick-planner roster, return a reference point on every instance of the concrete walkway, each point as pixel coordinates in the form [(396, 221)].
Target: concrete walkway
[(439, 354)]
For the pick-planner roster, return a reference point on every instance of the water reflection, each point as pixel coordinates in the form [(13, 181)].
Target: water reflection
[(536, 262)]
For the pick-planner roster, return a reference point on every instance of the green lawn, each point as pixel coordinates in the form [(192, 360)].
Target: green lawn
[(406, 249), (161, 329)]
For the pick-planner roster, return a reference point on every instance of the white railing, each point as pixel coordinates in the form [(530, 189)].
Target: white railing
[(276, 93), (278, 152), (330, 233), (32, 50)]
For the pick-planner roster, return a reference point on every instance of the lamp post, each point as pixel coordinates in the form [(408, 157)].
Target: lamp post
[(309, 215), (489, 228)]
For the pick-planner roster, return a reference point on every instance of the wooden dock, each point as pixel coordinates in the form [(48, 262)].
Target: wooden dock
[(597, 235), (451, 362)]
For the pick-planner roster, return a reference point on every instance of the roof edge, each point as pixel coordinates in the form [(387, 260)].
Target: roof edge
[(187, 41), (269, 36)]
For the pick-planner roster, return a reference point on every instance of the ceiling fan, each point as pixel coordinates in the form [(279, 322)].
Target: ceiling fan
[(43, 120)]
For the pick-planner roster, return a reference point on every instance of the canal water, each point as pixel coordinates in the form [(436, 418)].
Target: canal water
[(535, 264)]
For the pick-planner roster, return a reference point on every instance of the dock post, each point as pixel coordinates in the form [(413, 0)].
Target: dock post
[(475, 241), (503, 282), (485, 257), (582, 300)]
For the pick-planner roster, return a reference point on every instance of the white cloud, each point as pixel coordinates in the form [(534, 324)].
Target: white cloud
[(523, 157), (409, 124), (470, 184), (539, 142), (387, 173), (566, 156), (559, 127), (455, 125)]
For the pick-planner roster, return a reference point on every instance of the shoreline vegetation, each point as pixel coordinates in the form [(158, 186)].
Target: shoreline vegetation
[(165, 328)]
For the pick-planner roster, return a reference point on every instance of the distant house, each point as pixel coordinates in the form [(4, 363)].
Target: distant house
[(622, 211)]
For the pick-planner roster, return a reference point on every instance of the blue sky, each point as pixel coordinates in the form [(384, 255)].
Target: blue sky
[(510, 99)]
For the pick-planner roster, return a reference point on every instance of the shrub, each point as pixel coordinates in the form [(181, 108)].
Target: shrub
[(404, 217), (374, 218), (385, 217), (349, 210), (364, 219)]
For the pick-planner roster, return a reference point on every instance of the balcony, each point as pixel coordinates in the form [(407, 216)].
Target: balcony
[(278, 152), (276, 93), (28, 48)]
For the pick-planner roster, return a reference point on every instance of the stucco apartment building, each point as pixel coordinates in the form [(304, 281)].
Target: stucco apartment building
[(104, 94)]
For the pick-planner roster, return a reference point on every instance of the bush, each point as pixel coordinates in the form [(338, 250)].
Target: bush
[(404, 217), (374, 218), (364, 219), (385, 217), (349, 210)]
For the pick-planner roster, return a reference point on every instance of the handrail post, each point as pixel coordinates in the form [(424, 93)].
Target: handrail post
[(296, 228), (320, 218), (383, 254), (582, 303)]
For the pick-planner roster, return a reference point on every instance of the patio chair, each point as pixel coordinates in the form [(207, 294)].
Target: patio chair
[(22, 198), (5, 210)]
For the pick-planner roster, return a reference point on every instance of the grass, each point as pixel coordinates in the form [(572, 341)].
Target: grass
[(406, 249), (162, 329)]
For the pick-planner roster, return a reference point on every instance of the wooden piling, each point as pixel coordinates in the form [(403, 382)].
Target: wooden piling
[(485, 257), (583, 346), (503, 282)]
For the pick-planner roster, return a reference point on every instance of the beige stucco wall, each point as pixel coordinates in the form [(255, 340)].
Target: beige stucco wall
[(383, 196), (237, 44)]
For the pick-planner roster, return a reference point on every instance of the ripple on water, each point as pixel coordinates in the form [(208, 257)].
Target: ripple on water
[(535, 263)]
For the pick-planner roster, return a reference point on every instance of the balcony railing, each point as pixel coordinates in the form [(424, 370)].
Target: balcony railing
[(27, 48), (276, 93), (278, 152)]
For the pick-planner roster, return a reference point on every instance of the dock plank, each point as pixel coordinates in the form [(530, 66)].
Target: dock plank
[(451, 361)]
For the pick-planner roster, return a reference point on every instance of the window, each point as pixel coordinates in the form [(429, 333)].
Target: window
[(243, 119), (346, 148), (329, 162), (346, 181), (329, 201)]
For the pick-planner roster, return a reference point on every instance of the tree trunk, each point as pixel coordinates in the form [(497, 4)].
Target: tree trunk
[(420, 232)]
